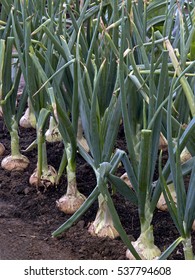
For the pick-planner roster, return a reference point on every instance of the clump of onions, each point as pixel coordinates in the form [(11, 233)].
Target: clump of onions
[(53, 134), (103, 225), (28, 120), (2, 149)]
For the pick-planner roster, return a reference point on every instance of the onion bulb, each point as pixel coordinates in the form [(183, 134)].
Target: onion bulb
[(161, 204), (69, 204), (125, 179), (15, 163), (28, 120), (53, 134), (145, 246), (47, 179), (103, 225), (185, 155), (73, 199), (163, 144)]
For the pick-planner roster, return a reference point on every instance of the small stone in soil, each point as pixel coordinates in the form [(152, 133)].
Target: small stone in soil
[(81, 224), (27, 190)]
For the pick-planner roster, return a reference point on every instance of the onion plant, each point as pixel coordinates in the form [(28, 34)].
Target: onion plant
[(44, 175), (154, 97), (31, 44), (145, 155), (182, 213), (73, 199), (2, 51), (101, 132), (100, 126), (10, 79), (100, 112), (183, 101), (64, 104)]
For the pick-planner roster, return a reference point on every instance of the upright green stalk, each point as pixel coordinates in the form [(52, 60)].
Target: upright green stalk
[(15, 147), (9, 83), (44, 175), (144, 245), (187, 249), (73, 199), (16, 161)]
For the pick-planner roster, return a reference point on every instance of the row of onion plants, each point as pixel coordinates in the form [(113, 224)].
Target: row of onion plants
[(89, 66)]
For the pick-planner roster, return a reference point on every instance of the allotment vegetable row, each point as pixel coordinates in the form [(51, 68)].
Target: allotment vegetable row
[(89, 67)]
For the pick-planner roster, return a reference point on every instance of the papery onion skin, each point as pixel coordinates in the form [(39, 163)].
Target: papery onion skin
[(69, 204), (103, 225), (144, 252), (104, 231), (145, 246), (161, 204), (28, 120), (125, 179), (48, 178), (53, 136), (15, 163)]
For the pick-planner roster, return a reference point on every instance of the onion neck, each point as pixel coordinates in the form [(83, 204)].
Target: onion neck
[(104, 212), (15, 148), (147, 236), (32, 118), (187, 248), (42, 165), (71, 173), (71, 179), (146, 220)]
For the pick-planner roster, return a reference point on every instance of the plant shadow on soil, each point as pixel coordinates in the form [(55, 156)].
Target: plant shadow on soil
[(28, 217)]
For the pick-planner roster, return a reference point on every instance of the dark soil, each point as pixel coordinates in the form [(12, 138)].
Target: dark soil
[(28, 217)]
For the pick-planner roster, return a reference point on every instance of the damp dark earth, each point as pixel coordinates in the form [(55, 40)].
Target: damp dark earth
[(28, 217)]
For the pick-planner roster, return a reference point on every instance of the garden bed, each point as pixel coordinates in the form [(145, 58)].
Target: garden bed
[(28, 217)]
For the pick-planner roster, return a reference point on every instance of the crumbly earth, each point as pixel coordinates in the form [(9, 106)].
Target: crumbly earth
[(28, 217)]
